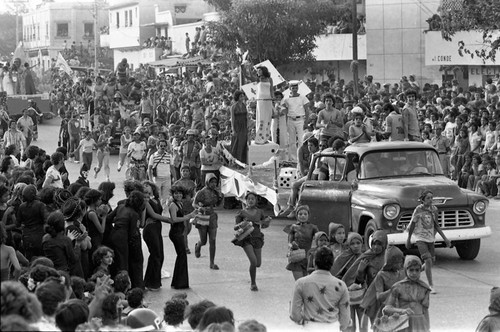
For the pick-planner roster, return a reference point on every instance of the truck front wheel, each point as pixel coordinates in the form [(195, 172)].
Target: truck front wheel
[(468, 250), (370, 228)]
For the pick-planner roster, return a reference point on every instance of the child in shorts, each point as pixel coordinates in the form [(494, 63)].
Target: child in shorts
[(424, 225)]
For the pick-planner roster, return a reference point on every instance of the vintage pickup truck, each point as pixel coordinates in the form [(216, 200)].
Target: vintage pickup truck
[(381, 192)]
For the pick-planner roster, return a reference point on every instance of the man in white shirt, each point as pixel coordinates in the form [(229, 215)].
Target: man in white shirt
[(321, 299), (137, 153), (298, 113), (159, 169), (53, 177), (25, 124)]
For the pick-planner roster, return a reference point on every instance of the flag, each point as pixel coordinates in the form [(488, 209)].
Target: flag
[(275, 74), (63, 64), (20, 53), (250, 90)]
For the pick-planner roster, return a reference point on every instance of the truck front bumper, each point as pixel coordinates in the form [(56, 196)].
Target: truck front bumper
[(451, 234)]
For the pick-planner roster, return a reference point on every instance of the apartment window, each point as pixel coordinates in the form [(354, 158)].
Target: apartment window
[(135, 12), (180, 8), (88, 30), (46, 29), (117, 19), (38, 31), (126, 18), (62, 30), (130, 17)]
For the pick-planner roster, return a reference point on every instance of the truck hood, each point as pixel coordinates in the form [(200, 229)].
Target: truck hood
[(406, 190)]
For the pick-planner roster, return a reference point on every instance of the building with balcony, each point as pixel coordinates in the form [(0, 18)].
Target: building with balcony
[(400, 42), (131, 24), (53, 27)]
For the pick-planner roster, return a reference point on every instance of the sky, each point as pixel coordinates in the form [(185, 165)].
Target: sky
[(5, 4)]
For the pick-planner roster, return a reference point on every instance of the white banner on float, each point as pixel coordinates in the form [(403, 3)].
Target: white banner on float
[(250, 90), (275, 74)]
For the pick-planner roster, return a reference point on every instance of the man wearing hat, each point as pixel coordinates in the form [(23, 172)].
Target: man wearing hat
[(137, 153), (297, 114)]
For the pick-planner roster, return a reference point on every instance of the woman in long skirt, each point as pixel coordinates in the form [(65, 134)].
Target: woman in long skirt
[(126, 238), (152, 236), (239, 128)]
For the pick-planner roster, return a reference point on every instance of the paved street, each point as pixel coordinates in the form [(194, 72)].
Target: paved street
[(463, 286)]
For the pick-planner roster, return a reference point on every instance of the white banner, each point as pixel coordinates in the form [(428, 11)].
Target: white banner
[(237, 184), (63, 64), (275, 74)]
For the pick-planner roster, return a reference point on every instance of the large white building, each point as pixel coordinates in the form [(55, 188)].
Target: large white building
[(53, 26), (400, 42), (133, 22)]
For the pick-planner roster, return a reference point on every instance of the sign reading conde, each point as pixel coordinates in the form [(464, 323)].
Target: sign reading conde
[(441, 52)]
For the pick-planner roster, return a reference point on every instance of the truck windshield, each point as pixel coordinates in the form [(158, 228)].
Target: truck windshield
[(398, 163)]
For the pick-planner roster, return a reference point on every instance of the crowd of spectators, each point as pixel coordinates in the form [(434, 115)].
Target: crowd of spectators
[(195, 110)]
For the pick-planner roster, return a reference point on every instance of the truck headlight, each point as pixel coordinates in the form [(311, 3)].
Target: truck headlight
[(480, 207), (391, 211)]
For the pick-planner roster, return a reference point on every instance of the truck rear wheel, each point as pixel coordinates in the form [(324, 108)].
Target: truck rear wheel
[(468, 250)]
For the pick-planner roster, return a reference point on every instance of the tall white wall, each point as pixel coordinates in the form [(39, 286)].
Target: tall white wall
[(395, 40)]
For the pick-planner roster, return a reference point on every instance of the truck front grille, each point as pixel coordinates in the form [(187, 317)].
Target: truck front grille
[(446, 219)]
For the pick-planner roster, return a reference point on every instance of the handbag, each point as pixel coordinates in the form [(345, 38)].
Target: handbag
[(391, 323), (243, 230), (296, 256), (154, 169), (356, 295)]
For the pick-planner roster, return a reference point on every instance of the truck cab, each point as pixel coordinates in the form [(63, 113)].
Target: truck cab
[(375, 186)]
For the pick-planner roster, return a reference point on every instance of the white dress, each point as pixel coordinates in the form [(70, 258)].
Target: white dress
[(264, 113), (8, 85)]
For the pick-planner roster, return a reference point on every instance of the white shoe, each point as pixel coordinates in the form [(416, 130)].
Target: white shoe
[(433, 290)]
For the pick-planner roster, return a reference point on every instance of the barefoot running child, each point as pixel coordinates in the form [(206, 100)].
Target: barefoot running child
[(253, 243), (300, 237), (337, 238), (424, 225)]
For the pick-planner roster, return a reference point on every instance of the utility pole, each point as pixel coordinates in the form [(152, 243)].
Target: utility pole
[(354, 64), (96, 64)]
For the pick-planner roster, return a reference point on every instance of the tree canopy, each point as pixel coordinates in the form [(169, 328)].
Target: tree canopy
[(7, 34), (279, 30), (473, 15)]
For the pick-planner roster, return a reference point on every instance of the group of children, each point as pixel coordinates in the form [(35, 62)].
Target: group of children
[(381, 280)]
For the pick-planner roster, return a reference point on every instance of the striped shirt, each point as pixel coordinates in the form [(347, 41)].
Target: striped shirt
[(162, 163)]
